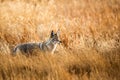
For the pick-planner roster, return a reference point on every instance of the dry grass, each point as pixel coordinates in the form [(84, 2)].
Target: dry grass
[(90, 31)]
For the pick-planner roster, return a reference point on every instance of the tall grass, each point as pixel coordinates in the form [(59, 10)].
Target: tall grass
[(90, 32)]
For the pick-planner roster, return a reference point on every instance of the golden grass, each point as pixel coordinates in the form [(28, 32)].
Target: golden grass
[(90, 31)]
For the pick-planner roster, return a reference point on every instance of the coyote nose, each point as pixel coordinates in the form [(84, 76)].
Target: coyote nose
[(60, 42)]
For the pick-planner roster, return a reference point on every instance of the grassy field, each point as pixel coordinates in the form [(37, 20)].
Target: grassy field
[(90, 32)]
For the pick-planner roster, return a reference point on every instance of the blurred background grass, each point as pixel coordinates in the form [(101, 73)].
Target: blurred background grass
[(90, 31)]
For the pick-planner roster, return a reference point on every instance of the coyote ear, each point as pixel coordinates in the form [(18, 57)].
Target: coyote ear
[(52, 34), (58, 32)]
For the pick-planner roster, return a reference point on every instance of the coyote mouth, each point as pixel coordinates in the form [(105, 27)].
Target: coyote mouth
[(59, 42)]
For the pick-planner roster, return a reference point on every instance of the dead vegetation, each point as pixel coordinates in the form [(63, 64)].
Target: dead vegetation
[(90, 32)]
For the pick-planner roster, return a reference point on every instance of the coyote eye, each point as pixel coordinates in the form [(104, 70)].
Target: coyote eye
[(55, 39)]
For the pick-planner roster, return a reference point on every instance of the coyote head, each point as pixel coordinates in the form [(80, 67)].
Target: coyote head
[(55, 37)]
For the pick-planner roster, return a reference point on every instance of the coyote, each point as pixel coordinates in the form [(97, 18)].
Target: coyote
[(46, 46)]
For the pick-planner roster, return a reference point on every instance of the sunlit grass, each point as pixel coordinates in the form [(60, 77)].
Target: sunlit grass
[(90, 34)]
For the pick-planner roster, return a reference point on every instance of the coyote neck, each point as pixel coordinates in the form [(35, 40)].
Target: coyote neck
[(50, 46)]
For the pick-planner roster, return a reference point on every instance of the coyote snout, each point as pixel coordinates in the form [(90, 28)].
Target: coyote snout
[(46, 46)]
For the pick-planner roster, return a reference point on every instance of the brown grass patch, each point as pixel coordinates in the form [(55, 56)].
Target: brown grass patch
[(90, 32)]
